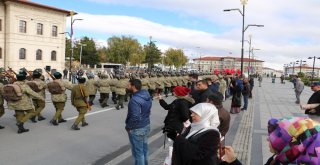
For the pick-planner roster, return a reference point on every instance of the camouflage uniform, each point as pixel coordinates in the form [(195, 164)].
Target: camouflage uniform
[(24, 109), (144, 82), (1, 103), (159, 84), (167, 85), (121, 92), (40, 104), (79, 93), (173, 83), (91, 87), (104, 89), (222, 87), (59, 102), (152, 85), (113, 88)]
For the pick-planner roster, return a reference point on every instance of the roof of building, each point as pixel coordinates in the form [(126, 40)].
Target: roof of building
[(302, 67), (27, 2), (212, 58)]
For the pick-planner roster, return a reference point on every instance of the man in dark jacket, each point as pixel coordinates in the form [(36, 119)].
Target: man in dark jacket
[(315, 98), (202, 92), (138, 121)]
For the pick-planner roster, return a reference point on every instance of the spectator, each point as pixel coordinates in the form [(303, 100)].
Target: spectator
[(251, 82), (202, 92), (214, 85), (224, 115), (293, 140), (298, 89), (178, 110), (245, 93), (236, 97), (138, 121), (314, 99), (260, 80), (65, 73), (200, 145)]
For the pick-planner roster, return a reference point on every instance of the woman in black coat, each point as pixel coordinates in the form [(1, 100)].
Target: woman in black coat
[(178, 110)]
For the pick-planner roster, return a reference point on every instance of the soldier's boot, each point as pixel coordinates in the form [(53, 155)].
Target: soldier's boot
[(21, 128), (33, 119), (117, 107), (40, 118), (75, 127), (54, 122), (62, 120), (84, 124), (1, 127)]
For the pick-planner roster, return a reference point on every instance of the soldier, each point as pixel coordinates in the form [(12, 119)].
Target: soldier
[(91, 87), (79, 96), (159, 84), (128, 93), (173, 82), (121, 91), (57, 88), (144, 81), (104, 89), (39, 104), (113, 88), (21, 103), (152, 85), (1, 103), (167, 84)]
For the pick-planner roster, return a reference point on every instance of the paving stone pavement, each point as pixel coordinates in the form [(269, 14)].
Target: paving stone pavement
[(271, 100)]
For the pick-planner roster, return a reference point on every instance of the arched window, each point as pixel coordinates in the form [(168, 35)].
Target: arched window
[(39, 54), (53, 56), (22, 53)]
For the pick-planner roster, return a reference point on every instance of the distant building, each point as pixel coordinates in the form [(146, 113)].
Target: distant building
[(207, 64), (29, 35), (271, 72), (307, 70)]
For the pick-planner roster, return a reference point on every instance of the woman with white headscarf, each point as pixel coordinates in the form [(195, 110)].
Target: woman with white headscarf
[(200, 145)]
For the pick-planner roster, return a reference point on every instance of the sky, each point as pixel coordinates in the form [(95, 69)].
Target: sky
[(201, 28)]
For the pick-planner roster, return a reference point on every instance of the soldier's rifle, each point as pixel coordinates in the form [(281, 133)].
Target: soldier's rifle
[(10, 76), (10, 69), (53, 78)]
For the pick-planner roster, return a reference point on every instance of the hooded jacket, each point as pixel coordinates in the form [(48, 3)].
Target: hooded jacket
[(139, 110)]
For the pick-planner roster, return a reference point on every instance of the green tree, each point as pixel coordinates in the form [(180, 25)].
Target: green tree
[(175, 57), (103, 55), (89, 51), (122, 49), (153, 54)]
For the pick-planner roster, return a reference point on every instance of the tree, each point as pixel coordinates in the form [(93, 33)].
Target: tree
[(122, 49), (102, 53), (89, 52), (175, 57), (153, 54)]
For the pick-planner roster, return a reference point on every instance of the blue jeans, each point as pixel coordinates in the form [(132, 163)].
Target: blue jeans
[(245, 100), (139, 144)]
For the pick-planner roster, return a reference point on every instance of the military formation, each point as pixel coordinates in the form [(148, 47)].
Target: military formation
[(25, 92)]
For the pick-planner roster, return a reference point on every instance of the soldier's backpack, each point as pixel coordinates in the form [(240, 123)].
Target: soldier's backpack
[(35, 86), (12, 92), (54, 87)]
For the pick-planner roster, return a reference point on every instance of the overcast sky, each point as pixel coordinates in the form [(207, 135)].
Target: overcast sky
[(200, 27)]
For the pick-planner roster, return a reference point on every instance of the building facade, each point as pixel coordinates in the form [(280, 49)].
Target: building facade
[(304, 69), (29, 35), (207, 64), (271, 72)]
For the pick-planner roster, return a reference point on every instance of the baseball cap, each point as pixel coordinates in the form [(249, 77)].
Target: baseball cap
[(315, 84)]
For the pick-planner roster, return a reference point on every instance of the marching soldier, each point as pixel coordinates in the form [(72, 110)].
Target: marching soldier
[(39, 104), (144, 81), (91, 87), (113, 88), (104, 89), (173, 82), (79, 95), (167, 84), (121, 91), (159, 84), (20, 101), (1, 103), (152, 85), (57, 88)]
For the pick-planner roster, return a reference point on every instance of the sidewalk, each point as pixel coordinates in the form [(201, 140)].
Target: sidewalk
[(248, 130)]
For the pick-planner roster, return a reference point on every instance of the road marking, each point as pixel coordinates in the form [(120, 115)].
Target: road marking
[(127, 154), (92, 113)]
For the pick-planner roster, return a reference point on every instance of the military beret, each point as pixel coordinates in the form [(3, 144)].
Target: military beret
[(21, 77), (81, 80), (36, 74), (57, 75)]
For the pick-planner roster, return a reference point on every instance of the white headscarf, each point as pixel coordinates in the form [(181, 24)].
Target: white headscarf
[(209, 118)]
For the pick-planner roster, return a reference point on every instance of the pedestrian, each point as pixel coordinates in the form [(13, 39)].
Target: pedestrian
[(245, 93), (19, 99), (65, 73), (138, 121), (202, 92), (251, 82), (213, 84), (224, 115), (298, 89), (260, 80), (236, 97), (199, 146), (293, 140), (178, 111), (314, 113), (222, 86), (79, 96), (294, 80)]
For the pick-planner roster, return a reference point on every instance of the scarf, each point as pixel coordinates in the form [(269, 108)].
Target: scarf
[(188, 98)]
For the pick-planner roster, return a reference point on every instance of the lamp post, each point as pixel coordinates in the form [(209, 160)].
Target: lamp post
[(293, 64), (199, 58), (300, 63), (252, 52), (250, 36), (243, 2), (81, 45), (314, 60)]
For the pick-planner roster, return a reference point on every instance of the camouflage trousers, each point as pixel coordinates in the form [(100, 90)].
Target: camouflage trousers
[(59, 109), (82, 111), (23, 116), (91, 99), (39, 106), (104, 97), (1, 110), (120, 100), (167, 90)]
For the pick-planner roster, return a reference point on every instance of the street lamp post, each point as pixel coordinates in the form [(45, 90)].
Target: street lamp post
[(300, 63), (243, 2), (314, 60), (81, 45), (199, 58), (293, 64), (250, 36)]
